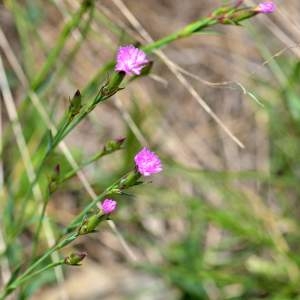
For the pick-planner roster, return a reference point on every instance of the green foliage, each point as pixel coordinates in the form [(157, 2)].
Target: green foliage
[(235, 244)]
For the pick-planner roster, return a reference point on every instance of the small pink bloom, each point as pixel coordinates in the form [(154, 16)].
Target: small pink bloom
[(266, 7), (147, 162), (107, 206), (131, 60)]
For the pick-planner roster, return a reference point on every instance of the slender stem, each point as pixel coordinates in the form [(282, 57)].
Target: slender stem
[(50, 266), (38, 229), (18, 281), (182, 33), (77, 220), (32, 185), (62, 242), (84, 164)]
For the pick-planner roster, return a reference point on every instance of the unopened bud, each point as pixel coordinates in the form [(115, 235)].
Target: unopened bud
[(74, 259), (75, 104), (222, 11), (113, 145), (112, 85), (129, 180), (89, 225), (236, 17)]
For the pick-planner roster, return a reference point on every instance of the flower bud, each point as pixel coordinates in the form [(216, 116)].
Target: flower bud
[(113, 145), (236, 17), (222, 11), (129, 180), (105, 209), (112, 85), (75, 104), (107, 206), (74, 259), (89, 225)]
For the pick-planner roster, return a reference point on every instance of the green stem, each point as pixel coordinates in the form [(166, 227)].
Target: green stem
[(76, 221), (182, 33), (48, 267), (62, 242), (84, 164), (18, 281), (10, 288), (38, 229), (32, 185)]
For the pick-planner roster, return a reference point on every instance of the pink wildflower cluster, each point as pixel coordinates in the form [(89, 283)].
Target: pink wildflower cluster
[(107, 206), (147, 162), (266, 7), (131, 60)]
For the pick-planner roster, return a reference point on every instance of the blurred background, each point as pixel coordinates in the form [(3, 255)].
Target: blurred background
[(221, 221)]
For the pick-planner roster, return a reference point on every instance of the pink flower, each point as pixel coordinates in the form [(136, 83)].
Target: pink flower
[(107, 206), (147, 162), (266, 7), (131, 60)]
